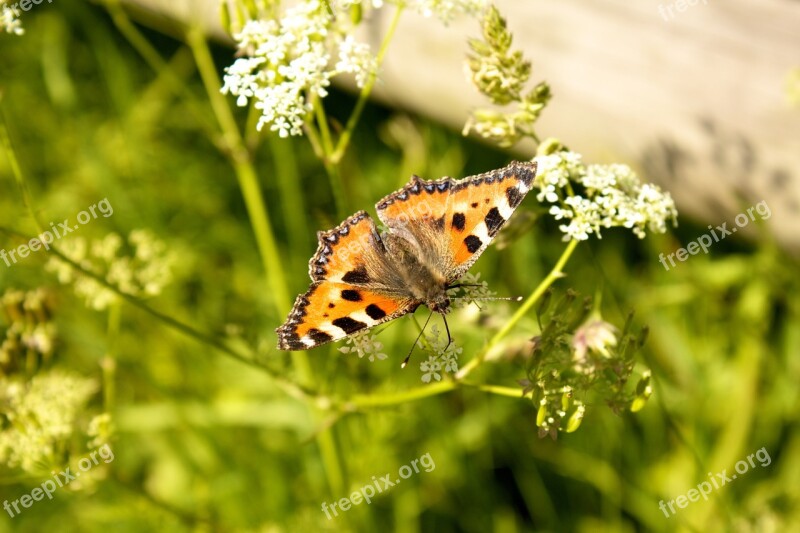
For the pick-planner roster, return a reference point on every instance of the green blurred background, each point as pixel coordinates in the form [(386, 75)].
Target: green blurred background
[(204, 442)]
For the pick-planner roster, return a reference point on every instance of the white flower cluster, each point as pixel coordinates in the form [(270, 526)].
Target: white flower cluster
[(609, 196), (448, 10), (443, 357), (9, 19), (364, 343), (145, 273), (40, 417), (287, 64)]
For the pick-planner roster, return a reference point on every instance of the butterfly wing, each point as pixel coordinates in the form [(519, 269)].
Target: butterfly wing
[(454, 221), (351, 288)]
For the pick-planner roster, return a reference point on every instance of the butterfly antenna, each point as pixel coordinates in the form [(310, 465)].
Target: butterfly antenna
[(511, 298), (405, 361)]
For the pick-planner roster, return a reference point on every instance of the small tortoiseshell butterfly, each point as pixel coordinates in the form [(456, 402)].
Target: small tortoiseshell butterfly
[(435, 231)]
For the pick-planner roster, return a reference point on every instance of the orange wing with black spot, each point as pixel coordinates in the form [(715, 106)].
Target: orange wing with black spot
[(467, 213), (479, 206), (347, 293), (330, 311)]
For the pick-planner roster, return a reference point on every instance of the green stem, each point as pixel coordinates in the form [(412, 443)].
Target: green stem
[(291, 191), (325, 143), (359, 401), (497, 389), (347, 134), (363, 401), (245, 171), (109, 362), (332, 156), (288, 387), (554, 274), (259, 219), (16, 170), (156, 62)]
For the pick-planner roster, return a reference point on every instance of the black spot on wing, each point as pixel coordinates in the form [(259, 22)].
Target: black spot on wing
[(331, 305), (348, 325), (351, 296), (319, 337), (375, 312), (473, 243), (493, 221), (358, 275), (459, 220), (473, 205), (513, 196), (439, 223)]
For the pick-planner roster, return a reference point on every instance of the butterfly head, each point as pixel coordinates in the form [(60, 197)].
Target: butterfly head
[(439, 302)]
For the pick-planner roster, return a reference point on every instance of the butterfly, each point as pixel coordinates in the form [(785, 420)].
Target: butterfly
[(435, 231)]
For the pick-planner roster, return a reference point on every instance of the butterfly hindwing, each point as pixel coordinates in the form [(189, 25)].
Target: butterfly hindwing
[(344, 251), (330, 311), (349, 289)]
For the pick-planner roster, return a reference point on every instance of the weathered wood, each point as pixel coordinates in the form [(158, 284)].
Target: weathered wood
[(696, 100)]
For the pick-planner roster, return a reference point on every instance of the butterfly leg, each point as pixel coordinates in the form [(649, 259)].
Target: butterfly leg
[(405, 361), (447, 329)]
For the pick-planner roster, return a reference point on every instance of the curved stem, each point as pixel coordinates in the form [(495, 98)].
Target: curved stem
[(347, 134), (245, 172), (109, 362), (554, 274), (371, 400)]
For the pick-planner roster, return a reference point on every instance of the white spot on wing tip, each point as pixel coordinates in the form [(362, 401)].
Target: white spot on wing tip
[(481, 232), (505, 210), (307, 341)]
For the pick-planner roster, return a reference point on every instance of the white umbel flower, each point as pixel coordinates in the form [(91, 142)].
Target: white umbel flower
[(609, 196), (287, 63)]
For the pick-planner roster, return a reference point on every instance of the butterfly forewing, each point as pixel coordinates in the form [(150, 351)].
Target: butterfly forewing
[(330, 311), (478, 207)]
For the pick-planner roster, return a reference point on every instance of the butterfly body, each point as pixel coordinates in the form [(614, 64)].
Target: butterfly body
[(435, 231), (419, 279)]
